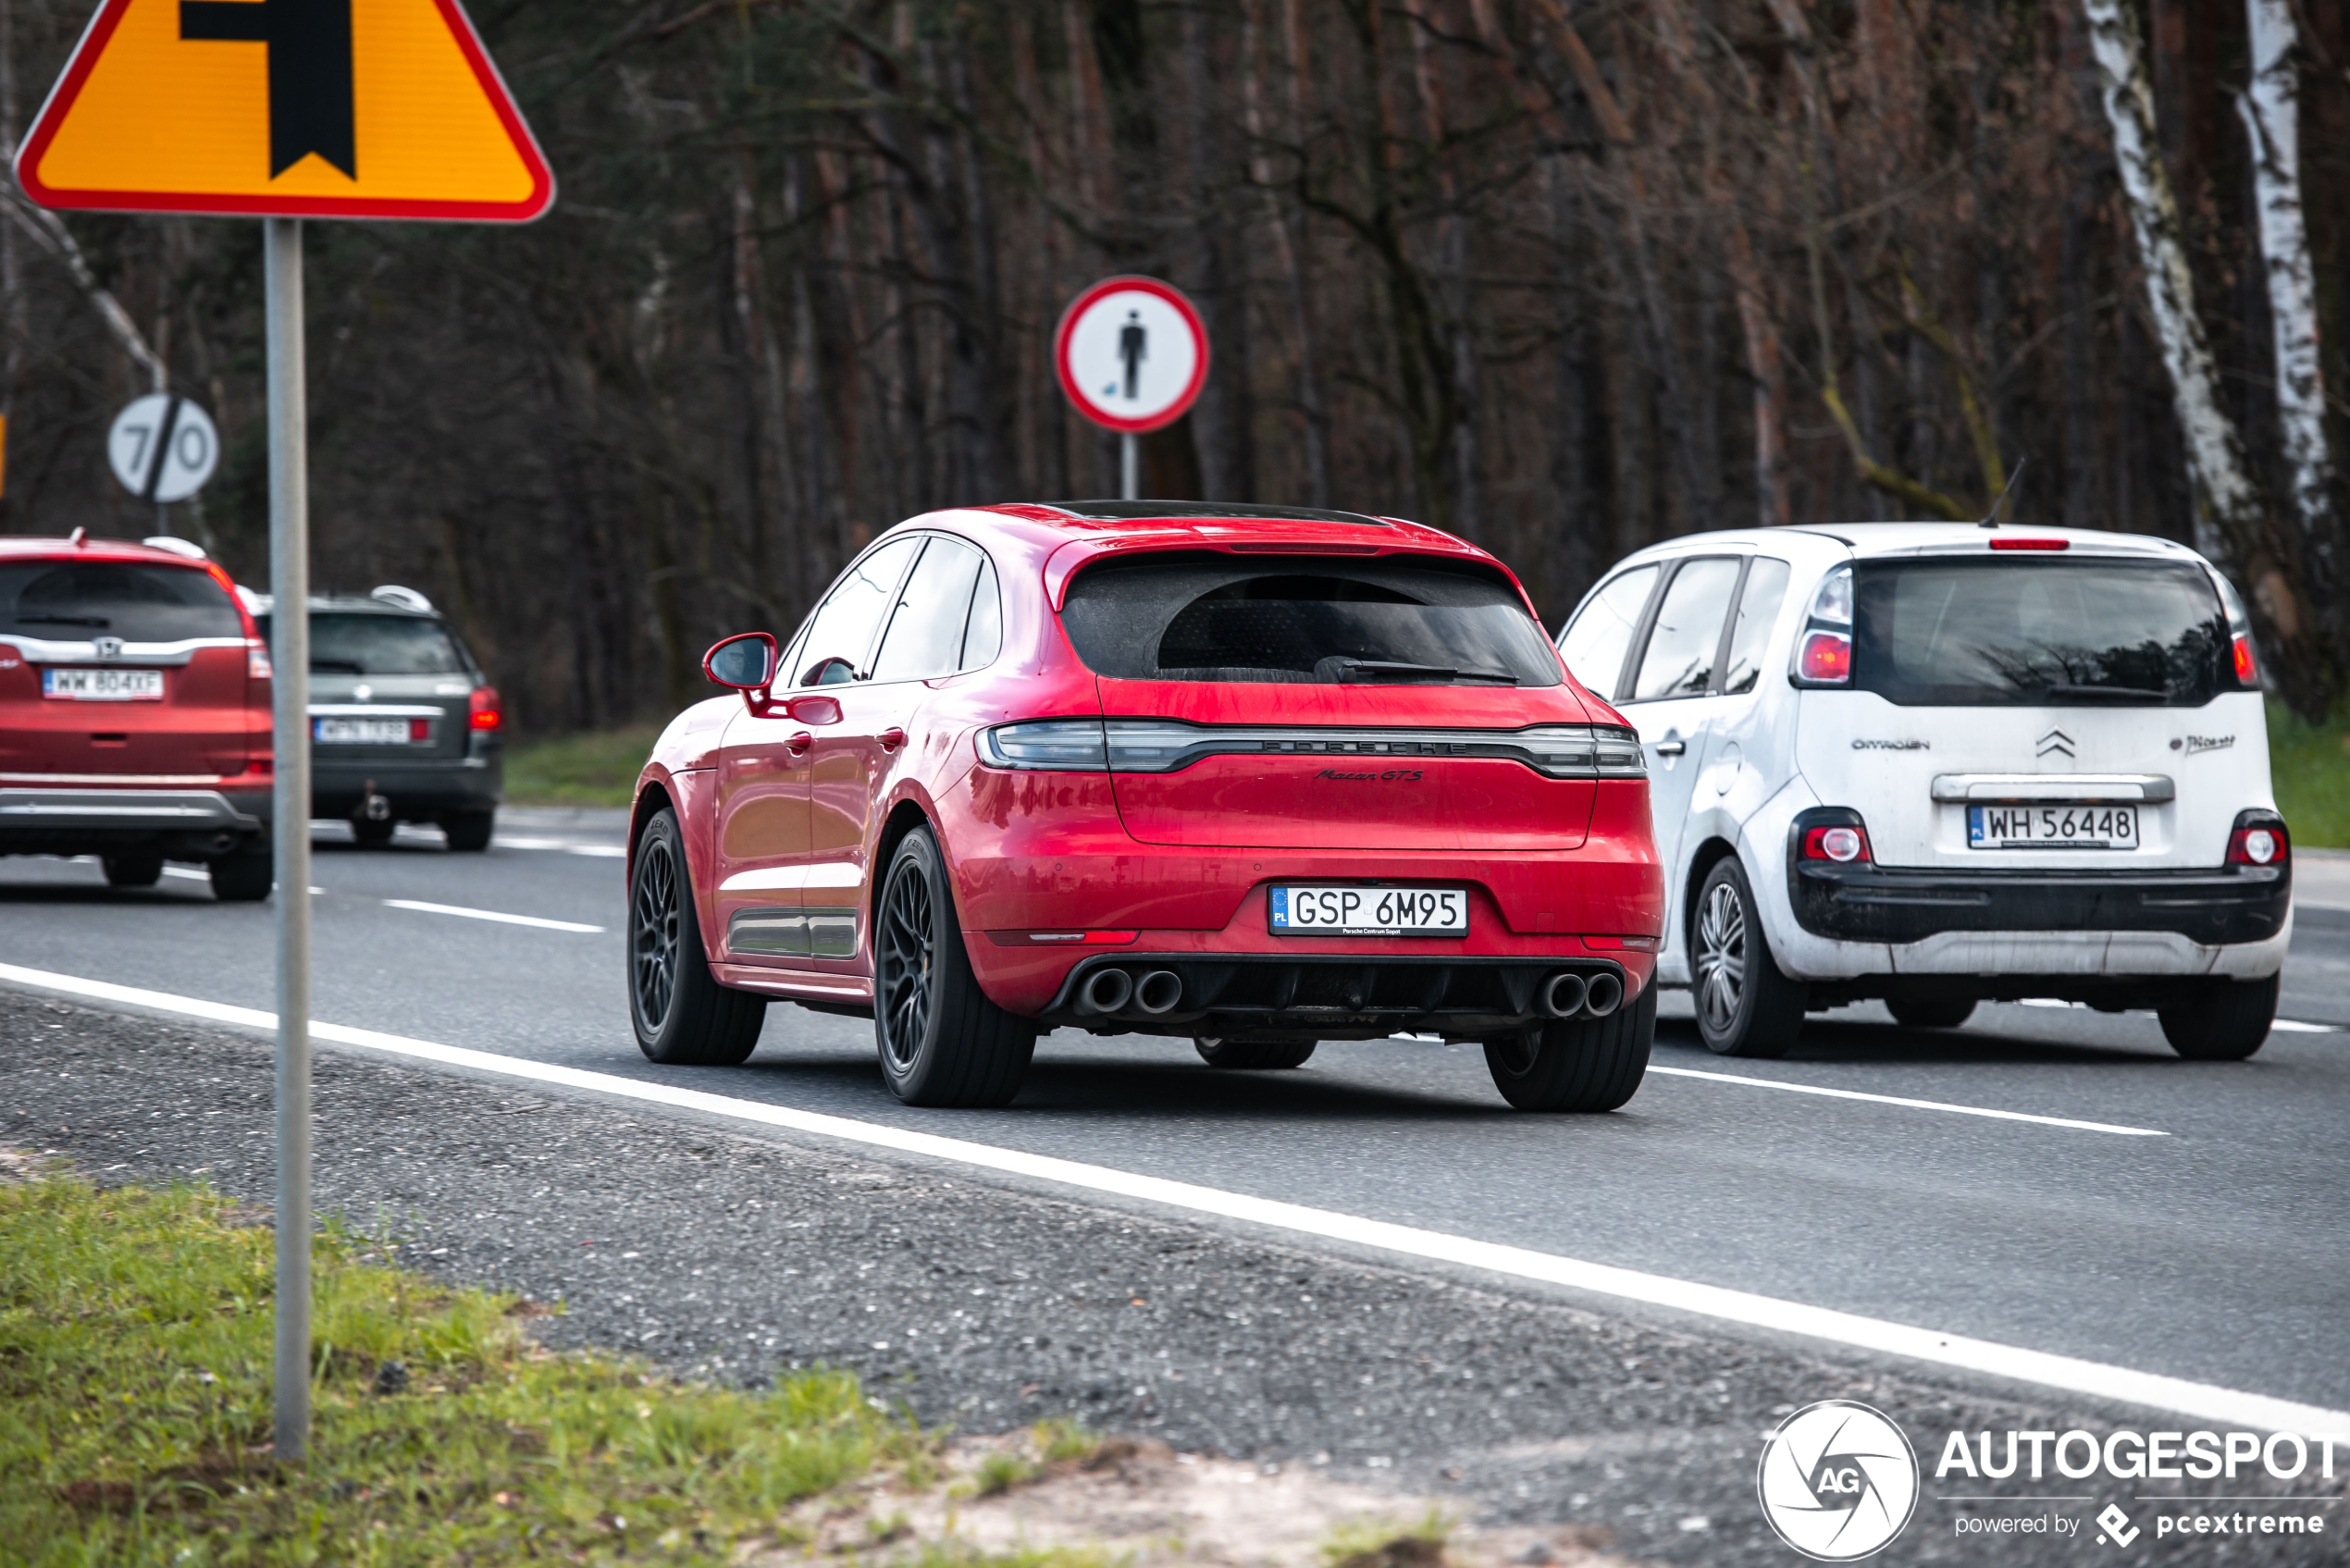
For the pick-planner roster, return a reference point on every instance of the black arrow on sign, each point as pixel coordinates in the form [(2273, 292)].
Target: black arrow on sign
[(309, 71)]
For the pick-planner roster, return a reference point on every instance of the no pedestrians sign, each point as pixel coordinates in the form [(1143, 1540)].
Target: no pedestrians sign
[(1131, 354)]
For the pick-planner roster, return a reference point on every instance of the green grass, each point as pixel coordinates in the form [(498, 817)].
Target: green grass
[(135, 1331), (2311, 766), (598, 768)]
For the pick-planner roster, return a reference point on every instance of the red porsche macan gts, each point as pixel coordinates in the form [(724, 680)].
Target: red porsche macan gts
[(1255, 776)]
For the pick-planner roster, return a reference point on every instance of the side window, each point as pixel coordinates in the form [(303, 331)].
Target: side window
[(1758, 611), (842, 632), (1680, 660), (925, 635), (983, 636), (1595, 644)]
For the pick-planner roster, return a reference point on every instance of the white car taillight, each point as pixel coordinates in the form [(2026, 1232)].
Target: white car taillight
[(1823, 653)]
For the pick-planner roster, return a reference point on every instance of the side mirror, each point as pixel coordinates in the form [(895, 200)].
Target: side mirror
[(746, 662)]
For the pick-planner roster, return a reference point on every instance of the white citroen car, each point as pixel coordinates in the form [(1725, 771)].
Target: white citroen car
[(1940, 764)]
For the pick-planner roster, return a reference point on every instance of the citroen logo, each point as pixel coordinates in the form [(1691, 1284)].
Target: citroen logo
[(108, 647), (2055, 740)]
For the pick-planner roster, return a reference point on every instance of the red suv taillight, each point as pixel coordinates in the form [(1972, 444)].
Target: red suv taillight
[(257, 659), (2261, 842), (482, 709), (1841, 843)]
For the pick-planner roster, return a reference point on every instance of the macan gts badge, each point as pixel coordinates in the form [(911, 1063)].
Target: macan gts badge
[(1254, 777)]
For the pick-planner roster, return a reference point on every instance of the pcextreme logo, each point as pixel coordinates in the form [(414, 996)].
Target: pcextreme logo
[(1838, 1480)]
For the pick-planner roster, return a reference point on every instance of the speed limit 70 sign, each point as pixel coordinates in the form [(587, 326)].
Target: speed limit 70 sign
[(162, 448)]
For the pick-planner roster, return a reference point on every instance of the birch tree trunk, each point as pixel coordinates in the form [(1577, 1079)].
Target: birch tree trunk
[(2271, 110), (2231, 526)]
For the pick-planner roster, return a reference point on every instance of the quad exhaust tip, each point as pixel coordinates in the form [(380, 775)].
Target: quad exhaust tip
[(1157, 991), (1106, 991), (1602, 996), (1563, 994)]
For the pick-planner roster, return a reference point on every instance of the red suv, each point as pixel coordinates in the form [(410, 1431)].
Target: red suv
[(1253, 776), (134, 711)]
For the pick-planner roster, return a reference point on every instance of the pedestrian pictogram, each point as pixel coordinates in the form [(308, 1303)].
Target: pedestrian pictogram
[(298, 108)]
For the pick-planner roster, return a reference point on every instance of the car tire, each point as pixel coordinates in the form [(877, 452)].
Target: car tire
[(244, 877), (2228, 1020), (468, 831), (1914, 1014), (683, 1017), (370, 834), (942, 1042), (1576, 1064), (1252, 1054), (1745, 1005), (133, 870)]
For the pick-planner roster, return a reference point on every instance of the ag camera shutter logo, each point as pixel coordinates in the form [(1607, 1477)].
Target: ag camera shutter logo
[(1838, 1480)]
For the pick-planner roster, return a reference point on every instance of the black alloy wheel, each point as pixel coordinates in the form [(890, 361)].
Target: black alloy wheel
[(942, 1042), (683, 1017), (468, 831), (1745, 1005)]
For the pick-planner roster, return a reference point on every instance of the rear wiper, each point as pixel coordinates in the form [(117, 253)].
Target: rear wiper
[(339, 666), (65, 620), (1377, 668), (2066, 688)]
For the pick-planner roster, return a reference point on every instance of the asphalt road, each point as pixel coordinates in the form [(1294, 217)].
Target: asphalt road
[(2212, 1253)]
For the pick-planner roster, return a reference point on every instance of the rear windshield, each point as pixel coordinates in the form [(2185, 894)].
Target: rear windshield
[(2030, 632), (381, 645), (75, 601), (1304, 620)]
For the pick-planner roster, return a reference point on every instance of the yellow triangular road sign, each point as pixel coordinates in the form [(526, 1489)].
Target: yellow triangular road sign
[(290, 108)]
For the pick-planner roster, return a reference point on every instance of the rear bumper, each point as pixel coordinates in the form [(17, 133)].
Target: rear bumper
[(1332, 996), (2211, 908), (193, 824), (417, 790)]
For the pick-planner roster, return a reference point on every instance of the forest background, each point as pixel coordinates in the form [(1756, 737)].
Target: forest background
[(1563, 278)]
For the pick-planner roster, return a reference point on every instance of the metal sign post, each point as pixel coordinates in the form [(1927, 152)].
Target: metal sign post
[(1132, 353), (252, 111), (290, 807)]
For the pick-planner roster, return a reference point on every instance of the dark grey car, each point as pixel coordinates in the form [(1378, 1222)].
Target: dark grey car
[(404, 727)]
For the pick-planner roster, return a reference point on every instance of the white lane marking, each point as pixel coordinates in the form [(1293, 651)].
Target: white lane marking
[(2290, 1026), (2095, 1379), (204, 876), (1912, 1105), (600, 851), (424, 908)]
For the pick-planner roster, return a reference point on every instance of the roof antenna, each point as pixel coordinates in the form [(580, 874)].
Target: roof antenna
[(77, 536), (1991, 519)]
